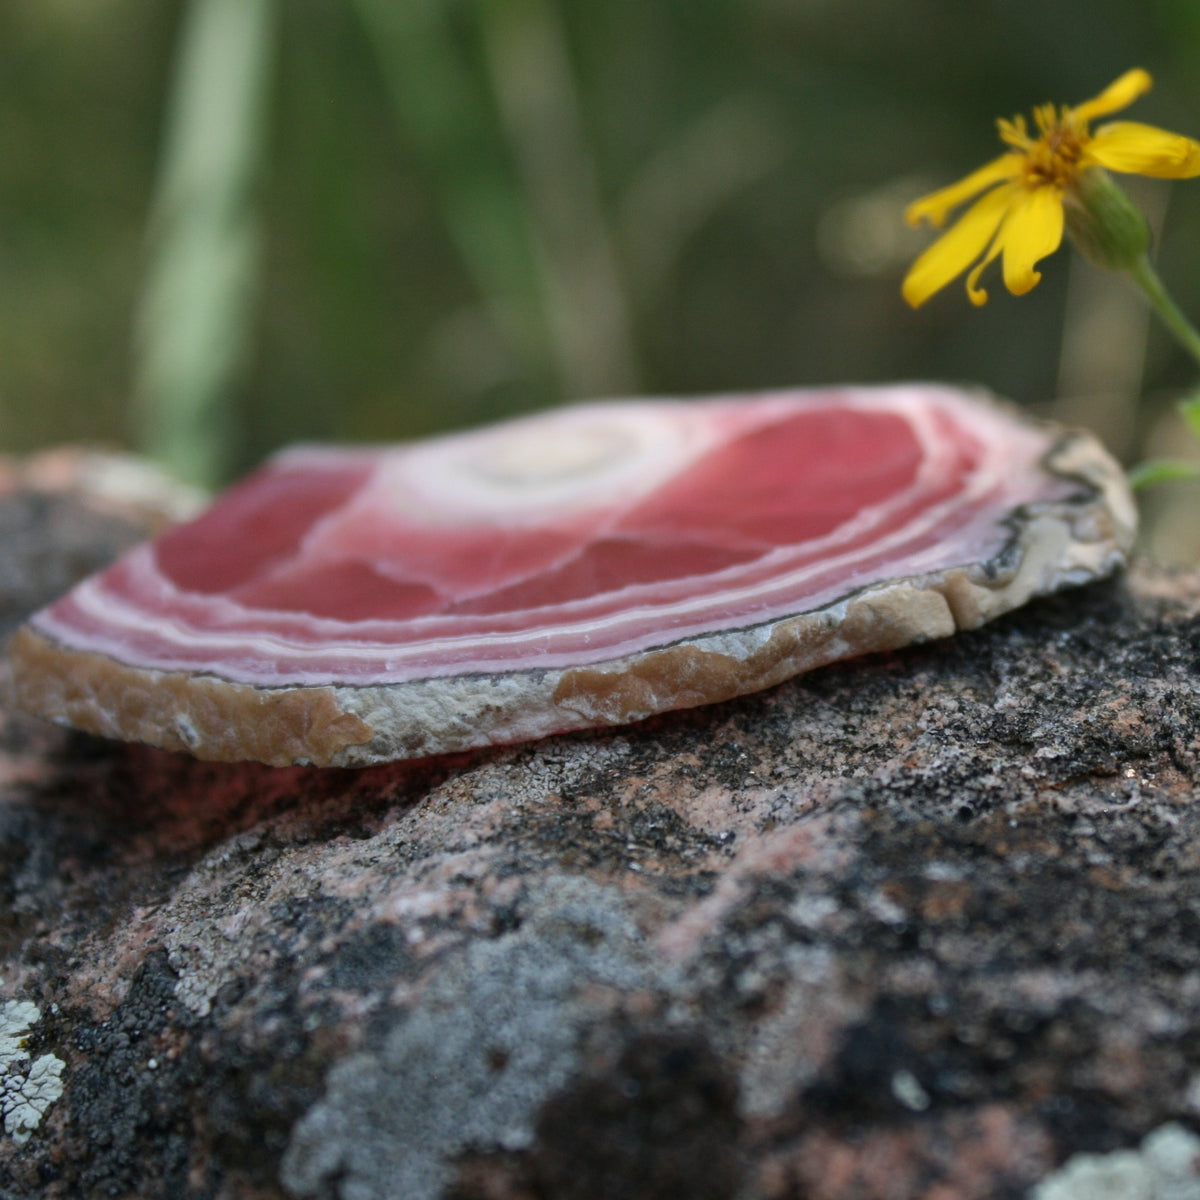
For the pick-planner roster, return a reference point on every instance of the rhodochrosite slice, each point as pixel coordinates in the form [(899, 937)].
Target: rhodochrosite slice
[(589, 566)]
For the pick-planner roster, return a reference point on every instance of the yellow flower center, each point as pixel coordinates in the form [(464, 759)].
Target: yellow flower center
[(1053, 158)]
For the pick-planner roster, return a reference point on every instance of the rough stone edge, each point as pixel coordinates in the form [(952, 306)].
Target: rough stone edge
[(1053, 545)]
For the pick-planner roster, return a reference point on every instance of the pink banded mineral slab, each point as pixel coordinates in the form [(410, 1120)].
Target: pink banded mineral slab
[(589, 566)]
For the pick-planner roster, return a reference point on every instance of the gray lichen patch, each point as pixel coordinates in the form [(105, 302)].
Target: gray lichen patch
[(28, 1085), (488, 1043), (1165, 1167)]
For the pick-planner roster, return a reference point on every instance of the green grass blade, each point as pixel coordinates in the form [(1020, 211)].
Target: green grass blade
[(196, 310), (1162, 470)]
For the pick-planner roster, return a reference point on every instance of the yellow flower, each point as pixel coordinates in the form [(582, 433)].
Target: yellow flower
[(1021, 212)]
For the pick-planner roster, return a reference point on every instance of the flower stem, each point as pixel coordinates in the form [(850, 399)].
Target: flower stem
[(1163, 470), (1146, 278)]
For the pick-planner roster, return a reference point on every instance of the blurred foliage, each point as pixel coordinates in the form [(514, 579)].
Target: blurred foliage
[(195, 321), (462, 209)]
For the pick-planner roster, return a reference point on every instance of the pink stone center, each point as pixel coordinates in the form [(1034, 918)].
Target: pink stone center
[(785, 483)]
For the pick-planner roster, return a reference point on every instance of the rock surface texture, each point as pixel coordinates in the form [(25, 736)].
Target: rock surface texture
[(924, 925)]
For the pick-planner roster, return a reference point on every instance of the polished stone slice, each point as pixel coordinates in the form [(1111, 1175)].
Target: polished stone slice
[(589, 566)]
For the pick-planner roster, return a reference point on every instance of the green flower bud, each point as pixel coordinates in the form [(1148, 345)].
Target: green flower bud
[(1104, 223)]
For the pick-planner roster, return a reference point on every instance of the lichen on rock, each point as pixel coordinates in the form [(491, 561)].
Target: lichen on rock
[(28, 1086)]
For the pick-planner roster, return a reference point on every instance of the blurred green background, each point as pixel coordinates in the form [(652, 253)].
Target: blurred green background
[(230, 224)]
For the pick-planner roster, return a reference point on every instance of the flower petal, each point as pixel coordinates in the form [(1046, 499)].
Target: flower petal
[(977, 295), (959, 246), (1032, 230), (1145, 150), (1116, 96), (935, 207)]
